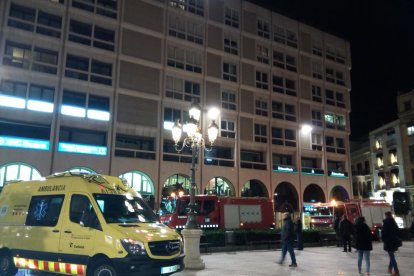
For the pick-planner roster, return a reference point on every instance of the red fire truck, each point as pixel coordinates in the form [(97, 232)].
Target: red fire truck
[(215, 212), (323, 214)]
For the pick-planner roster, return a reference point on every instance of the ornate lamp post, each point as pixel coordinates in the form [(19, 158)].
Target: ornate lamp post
[(195, 142)]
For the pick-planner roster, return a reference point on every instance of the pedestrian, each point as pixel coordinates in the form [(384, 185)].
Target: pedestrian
[(363, 243), (337, 234), (345, 228), (287, 237), (391, 240), (298, 231)]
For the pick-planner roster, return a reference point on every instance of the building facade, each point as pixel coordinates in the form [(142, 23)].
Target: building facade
[(96, 86)]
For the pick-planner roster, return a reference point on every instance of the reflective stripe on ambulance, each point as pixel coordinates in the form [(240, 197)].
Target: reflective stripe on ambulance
[(57, 267)]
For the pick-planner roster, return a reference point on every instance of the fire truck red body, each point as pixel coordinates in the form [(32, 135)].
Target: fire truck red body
[(215, 212), (372, 210)]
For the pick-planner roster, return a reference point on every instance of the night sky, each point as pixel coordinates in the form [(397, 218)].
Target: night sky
[(381, 33)]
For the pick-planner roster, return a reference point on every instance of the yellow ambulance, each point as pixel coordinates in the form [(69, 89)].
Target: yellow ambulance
[(83, 224)]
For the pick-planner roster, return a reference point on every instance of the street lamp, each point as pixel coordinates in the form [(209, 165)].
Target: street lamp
[(195, 142)]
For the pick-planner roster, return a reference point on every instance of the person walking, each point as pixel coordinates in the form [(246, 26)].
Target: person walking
[(345, 228), (391, 240), (298, 231), (363, 243), (336, 228), (287, 237)]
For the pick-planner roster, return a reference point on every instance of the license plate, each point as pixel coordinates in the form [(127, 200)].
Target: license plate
[(169, 269)]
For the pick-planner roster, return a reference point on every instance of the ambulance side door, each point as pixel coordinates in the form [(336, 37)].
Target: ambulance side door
[(43, 223), (77, 242)]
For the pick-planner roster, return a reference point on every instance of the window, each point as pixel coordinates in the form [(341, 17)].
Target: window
[(44, 210), (284, 85), (283, 111), (231, 45), (228, 100), (410, 129), (283, 137), (329, 97), (317, 71), (41, 98), (106, 8), (407, 106), (284, 61), (135, 147), (229, 72), (171, 115), (282, 159), (263, 28), (262, 80), (45, 61), (83, 68), (17, 55), (14, 94), (184, 90), (231, 17), (261, 108), (25, 18), (252, 159), (317, 48), (262, 54), (219, 156), (316, 93), (82, 136), (260, 133), (79, 104), (316, 141), (192, 6), (139, 182), (334, 76), (335, 144), (79, 204), (170, 154), (24, 130), (340, 102), (285, 36), (334, 55), (14, 171), (317, 118), (335, 121), (411, 152), (91, 35), (184, 59), (228, 128), (13, 88), (185, 29)]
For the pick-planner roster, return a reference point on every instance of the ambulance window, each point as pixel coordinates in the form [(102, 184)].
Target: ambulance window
[(78, 205), (44, 210)]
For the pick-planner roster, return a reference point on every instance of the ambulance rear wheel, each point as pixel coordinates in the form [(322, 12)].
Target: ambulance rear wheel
[(102, 268), (7, 267)]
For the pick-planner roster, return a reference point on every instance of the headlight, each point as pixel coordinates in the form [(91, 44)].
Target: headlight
[(134, 247)]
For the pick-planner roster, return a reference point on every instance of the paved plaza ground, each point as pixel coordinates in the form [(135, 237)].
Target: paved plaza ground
[(328, 260)]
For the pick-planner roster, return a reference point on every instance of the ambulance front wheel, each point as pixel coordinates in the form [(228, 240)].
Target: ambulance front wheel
[(7, 267), (102, 268)]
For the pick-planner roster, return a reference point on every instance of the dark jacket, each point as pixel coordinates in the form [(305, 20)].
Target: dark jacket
[(298, 227), (390, 235), (287, 230), (345, 227), (362, 236)]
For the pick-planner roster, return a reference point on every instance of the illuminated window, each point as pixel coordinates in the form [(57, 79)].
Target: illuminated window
[(410, 129), (139, 181), (18, 171)]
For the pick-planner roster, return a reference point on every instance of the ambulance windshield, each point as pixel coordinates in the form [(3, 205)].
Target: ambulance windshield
[(120, 209)]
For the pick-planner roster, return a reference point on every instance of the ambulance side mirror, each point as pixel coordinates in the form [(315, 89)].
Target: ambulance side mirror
[(89, 219)]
